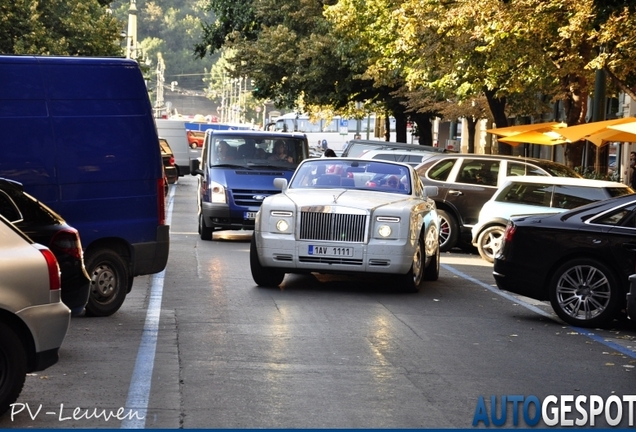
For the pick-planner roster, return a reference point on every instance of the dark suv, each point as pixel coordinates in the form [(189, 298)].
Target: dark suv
[(466, 181)]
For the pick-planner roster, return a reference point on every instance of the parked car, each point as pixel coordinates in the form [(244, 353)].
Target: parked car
[(413, 157), (535, 195), (236, 173), (195, 138), (169, 167), (348, 216), (33, 320), (579, 260), (44, 226), (357, 147), (467, 181)]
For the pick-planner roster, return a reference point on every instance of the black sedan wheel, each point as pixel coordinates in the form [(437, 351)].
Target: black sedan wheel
[(448, 231), (263, 276), (489, 242), (584, 293), (13, 360)]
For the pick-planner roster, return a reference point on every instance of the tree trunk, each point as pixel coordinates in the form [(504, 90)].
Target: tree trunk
[(471, 125), (424, 128), (575, 106), (497, 109), (400, 127)]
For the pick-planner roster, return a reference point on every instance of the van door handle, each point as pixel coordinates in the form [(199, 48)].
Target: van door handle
[(455, 192)]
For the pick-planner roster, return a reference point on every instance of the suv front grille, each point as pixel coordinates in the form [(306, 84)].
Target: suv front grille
[(332, 226)]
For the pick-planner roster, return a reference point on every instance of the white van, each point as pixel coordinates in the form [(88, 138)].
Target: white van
[(174, 131)]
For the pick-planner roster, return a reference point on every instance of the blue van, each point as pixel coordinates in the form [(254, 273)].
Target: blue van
[(236, 173), (79, 134)]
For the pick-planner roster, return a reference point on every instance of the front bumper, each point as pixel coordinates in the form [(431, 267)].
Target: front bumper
[(219, 216), (377, 256)]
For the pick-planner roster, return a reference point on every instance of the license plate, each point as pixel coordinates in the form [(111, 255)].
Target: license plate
[(330, 251), (249, 215)]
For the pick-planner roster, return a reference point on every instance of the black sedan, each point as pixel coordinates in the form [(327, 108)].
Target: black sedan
[(46, 227), (579, 260)]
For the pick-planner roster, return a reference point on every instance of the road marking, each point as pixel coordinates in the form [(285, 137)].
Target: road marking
[(139, 389), (582, 331)]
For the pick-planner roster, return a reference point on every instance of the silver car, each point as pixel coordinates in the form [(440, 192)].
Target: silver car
[(347, 215), (33, 319)]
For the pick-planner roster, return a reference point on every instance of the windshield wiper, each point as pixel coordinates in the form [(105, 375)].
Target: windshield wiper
[(227, 165)]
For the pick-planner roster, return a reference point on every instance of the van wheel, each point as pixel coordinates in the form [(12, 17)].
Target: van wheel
[(109, 282), (13, 360), (263, 276), (204, 232), (448, 231)]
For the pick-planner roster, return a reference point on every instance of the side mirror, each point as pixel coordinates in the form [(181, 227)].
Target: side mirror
[(195, 167), (280, 183)]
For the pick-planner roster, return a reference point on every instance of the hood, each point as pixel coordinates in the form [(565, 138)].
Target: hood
[(240, 178), (342, 197)]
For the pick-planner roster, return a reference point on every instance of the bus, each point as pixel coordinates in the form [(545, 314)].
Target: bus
[(336, 131)]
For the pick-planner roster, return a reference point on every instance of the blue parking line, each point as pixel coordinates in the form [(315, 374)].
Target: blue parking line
[(581, 331), (139, 389)]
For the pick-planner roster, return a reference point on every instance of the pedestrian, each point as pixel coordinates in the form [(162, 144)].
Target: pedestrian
[(632, 165), (324, 145)]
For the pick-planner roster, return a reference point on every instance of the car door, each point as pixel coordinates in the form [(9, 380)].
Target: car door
[(475, 183)]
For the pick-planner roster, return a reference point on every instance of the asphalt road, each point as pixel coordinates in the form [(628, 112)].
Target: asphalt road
[(200, 346)]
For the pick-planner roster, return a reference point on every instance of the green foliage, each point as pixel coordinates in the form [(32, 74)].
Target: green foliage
[(58, 27), (590, 173)]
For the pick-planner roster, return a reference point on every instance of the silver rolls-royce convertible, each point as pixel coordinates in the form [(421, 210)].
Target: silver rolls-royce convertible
[(346, 215)]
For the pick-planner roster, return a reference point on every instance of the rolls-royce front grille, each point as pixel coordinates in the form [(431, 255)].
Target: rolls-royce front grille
[(332, 227)]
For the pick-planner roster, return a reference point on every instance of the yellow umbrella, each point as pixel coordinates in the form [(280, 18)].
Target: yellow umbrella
[(625, 127), (518, 129), (598, 132), (533, 137)]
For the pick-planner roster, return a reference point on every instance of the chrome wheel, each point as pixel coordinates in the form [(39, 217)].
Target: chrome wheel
[(489, 242), (448, 231), (584, 292)]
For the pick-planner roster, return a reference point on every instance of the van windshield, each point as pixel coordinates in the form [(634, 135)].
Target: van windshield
[(252, 151)]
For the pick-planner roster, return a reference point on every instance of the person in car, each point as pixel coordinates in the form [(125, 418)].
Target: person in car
[(280, 152), (225, 152)]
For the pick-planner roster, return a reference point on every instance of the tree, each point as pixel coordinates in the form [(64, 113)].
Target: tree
[(58, 27)]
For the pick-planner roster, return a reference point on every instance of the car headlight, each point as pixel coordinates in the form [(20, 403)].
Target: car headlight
[(384, 230), (283, 221), (386, 226), (217, 193)]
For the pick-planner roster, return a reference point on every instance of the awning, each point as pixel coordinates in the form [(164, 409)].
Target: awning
[(599, 132)]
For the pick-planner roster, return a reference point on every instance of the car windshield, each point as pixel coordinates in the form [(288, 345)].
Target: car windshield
[(253, 151), (351, 174)]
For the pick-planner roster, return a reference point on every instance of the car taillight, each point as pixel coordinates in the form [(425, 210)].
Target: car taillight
[(67, 241), (171, 160), (161, 201), (54, 269), (509, 233)]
